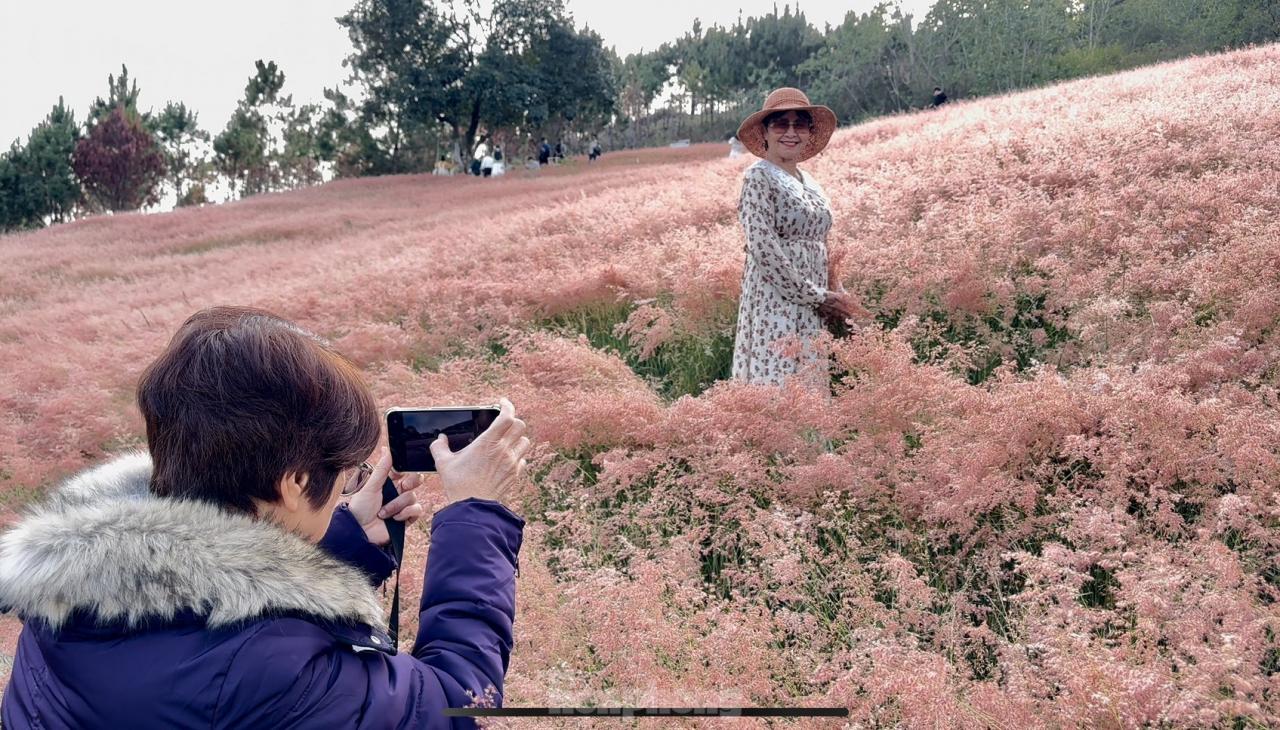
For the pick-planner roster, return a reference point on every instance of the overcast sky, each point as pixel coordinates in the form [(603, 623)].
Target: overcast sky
[(203, 53)]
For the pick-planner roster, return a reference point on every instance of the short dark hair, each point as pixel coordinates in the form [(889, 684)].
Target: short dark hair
[(240, 398), (801, 114)]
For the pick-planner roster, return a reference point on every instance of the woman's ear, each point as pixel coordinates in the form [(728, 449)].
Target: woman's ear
[(291, 488)]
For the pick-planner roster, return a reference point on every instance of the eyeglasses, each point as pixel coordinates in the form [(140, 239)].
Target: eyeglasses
[(357, 480), (782, 126)]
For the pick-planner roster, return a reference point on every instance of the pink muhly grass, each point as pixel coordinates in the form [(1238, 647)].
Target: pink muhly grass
[(1042, 493)]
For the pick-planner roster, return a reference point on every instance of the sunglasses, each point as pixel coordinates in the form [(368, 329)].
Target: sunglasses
[(782, 126), (357, 480)]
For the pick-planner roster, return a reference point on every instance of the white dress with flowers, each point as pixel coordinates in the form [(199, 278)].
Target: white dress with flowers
[(785, 279)]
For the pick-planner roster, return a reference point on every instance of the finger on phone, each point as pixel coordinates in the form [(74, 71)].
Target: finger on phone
[(506, 415), (410, 513), (440, 450), (392, 508)]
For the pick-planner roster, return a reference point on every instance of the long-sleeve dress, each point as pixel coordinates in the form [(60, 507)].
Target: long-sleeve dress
[(785, 277)]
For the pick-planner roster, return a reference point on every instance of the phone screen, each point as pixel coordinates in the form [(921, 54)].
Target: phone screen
[(410, 433)]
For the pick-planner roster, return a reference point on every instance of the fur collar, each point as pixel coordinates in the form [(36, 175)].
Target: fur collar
[(103, 542)]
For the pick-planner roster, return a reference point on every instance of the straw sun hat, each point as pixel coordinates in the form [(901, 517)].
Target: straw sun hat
[(751, 132)]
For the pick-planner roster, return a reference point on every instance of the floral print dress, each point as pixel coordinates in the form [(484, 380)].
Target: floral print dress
[(785, 278)]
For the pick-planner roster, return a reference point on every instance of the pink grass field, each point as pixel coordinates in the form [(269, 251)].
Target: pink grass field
[(1086, 537)]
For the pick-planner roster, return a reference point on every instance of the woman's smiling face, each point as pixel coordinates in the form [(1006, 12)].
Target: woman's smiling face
[(788, 136)]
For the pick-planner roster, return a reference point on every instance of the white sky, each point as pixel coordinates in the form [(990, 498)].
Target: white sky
[(203, 53)]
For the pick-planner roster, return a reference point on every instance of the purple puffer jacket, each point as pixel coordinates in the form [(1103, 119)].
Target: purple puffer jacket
[(142, 612)]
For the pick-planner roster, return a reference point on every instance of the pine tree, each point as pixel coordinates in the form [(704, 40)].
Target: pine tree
[(120, 92), (38, 184), (13, 213), (47, 172), (179, 134)]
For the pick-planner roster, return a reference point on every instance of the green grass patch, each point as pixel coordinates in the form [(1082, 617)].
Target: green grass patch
[(684, 365)]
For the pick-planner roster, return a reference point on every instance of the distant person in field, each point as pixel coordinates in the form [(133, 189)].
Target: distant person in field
[(939, 98), (477, 159), (218, 579), (786, 216), (544, 152), (443, 166), (594, 152), (559, 153)]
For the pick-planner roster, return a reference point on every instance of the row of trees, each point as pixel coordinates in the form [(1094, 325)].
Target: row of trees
[(882, 62), (429, 77), (124, 159), (424, 78), (114, 162)]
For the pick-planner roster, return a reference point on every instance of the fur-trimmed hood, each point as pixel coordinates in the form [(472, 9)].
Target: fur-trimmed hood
[(104, 543)]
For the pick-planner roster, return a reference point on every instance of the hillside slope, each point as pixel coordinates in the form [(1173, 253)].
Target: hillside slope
[(1043, 494)]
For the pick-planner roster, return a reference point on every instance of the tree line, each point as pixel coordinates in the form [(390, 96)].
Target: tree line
[(430, 78)]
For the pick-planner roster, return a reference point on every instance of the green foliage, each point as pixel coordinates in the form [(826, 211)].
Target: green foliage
[(38, 182), (1100, 590), (13, 211), (343, 137), (409, 64), (298, 158), (269, 144), (576, 76), (687, 364), (865, 66), (179, 134), (121, 92), (265, 85), (1004, 336), (1077, 62), (444, 75), (642, 76), (778, 45), (875, 63), (241, 154)]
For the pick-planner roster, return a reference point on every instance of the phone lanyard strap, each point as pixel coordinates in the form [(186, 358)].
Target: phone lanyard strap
[(395, 528)]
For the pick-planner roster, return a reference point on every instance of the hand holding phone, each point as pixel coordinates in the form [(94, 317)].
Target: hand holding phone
[(483, 462), (411, 431), (377, 498)]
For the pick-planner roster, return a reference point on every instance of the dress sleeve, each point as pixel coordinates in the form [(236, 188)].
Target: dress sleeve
[(757, 210)]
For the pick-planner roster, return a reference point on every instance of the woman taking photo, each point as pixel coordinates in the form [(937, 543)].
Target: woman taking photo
[(216, 582), (786, 217)]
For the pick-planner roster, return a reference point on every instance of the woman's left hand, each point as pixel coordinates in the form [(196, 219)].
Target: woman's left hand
[(839, 304), (366, 504)]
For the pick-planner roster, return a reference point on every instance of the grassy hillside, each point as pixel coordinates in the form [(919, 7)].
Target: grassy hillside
[(1044, 493)]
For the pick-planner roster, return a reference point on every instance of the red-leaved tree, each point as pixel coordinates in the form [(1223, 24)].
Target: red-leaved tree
[(120, 163)]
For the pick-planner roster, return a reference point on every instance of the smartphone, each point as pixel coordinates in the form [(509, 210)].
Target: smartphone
[(410, 432)]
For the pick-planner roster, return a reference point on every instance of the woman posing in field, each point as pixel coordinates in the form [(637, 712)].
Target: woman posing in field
[(786, 216)]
